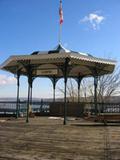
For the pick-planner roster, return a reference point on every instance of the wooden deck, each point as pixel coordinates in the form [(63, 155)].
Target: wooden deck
[(48, 139)]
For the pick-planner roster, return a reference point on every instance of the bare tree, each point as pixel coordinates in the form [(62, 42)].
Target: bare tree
[(71, 90), (108, 85)]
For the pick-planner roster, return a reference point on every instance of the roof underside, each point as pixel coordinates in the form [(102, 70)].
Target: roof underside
[(51, 63)]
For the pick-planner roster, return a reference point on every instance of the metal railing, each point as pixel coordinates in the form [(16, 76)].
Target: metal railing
[(9, 107), (102, 107)]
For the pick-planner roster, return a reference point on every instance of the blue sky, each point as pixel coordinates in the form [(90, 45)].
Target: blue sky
[(30, 25)]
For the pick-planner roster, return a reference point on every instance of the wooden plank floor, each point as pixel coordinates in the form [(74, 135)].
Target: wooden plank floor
[(47, 139)]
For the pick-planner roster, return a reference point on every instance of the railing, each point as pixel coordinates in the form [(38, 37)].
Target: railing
[(103, 107), (9, 107)]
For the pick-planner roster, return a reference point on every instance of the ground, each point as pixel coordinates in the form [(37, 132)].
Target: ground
[(48, 139)]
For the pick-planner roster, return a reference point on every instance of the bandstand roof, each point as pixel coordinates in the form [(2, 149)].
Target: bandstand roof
[(49, 63)]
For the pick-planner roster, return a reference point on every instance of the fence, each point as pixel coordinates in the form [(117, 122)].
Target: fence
[(8, 108), (57, 108)]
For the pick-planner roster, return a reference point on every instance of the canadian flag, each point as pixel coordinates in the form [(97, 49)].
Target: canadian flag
[(61, 12)]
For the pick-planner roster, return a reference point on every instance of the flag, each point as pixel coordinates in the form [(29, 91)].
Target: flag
[(61, 12)]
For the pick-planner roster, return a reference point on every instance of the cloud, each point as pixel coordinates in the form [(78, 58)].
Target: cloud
[(94, 19), (7, 80)]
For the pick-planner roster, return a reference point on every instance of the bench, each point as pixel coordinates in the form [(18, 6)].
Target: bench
[(108, 117)]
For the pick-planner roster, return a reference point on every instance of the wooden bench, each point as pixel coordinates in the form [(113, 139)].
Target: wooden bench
[(108, 117)]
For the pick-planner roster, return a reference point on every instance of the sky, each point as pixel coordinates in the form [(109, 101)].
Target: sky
[(26, 26)]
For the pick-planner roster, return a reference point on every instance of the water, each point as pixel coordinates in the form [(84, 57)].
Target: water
[(10, 107)]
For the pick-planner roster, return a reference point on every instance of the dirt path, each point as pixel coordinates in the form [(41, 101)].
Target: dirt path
[(47, 139)]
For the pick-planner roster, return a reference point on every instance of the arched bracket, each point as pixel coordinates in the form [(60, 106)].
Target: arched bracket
[(78, 80), (54, 80)]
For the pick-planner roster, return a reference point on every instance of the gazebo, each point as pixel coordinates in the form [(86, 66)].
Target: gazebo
[(55, 64)]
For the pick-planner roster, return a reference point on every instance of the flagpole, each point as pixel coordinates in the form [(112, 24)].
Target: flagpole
[(60, 30), (60, 22)]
